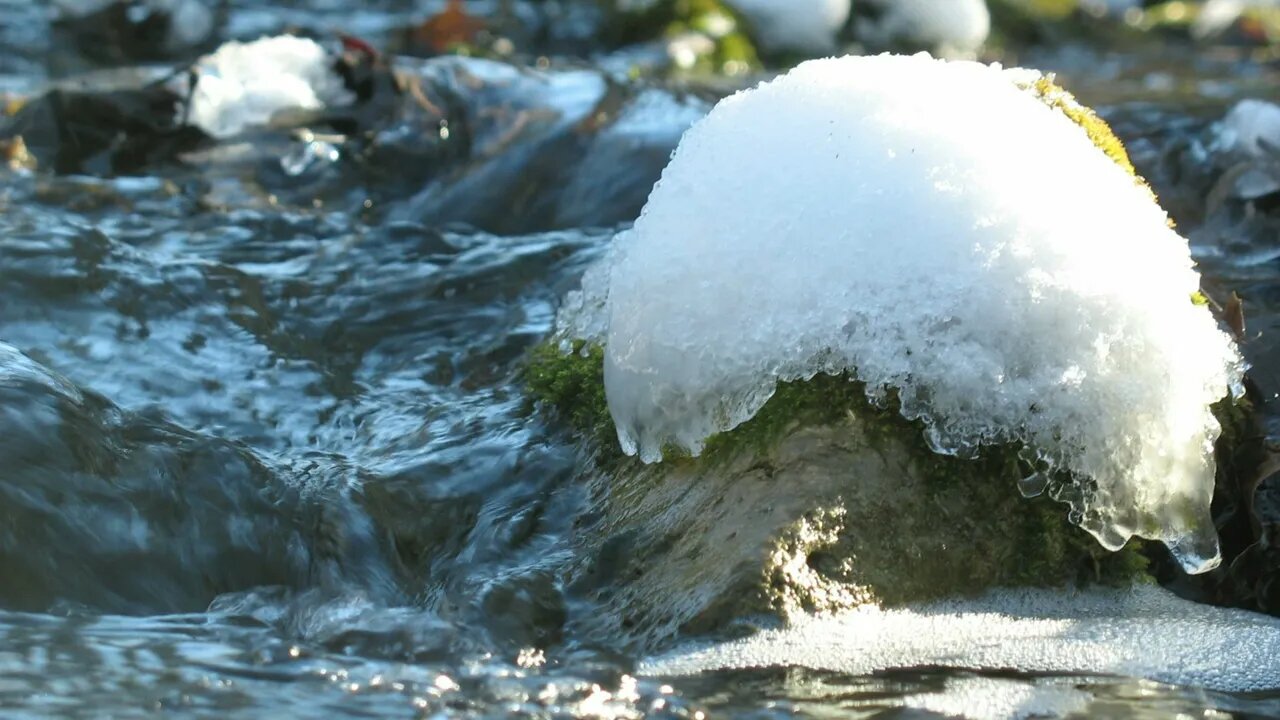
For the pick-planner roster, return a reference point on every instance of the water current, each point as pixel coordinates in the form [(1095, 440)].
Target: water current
[(265, 448)]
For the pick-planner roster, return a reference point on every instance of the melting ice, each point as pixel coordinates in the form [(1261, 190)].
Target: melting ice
[(934, 229)]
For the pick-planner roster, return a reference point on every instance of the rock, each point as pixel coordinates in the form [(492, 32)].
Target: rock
[(124, 31), (820, 503), (107, 132), (728, 283)]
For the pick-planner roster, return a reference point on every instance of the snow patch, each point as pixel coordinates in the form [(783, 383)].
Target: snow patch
[(1144, 632), (1251, 128), (1217, 15), (938, 232), (244, 84), (951, 28), (807, 26)]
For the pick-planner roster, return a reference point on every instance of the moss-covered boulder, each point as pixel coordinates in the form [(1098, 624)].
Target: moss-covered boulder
[(820, 502)]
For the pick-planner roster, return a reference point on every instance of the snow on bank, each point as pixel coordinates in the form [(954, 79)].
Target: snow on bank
[(1142, 632), (243, 84), (1251, 128), (807, 26), (950, 28), (1218, 15), (936, 230)]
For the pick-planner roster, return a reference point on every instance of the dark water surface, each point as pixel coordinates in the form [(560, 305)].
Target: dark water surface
[(271, 458)]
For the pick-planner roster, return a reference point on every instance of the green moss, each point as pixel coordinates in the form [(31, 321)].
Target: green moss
[(822, 400), (992, 535), (572, 384)]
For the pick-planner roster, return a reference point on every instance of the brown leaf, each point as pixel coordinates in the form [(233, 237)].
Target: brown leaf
[(1233, 315), (453, 26)]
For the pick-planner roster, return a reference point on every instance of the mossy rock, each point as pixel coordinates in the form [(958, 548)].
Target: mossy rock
[(822, 501)]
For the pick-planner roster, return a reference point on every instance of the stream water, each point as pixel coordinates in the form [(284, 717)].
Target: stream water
[(270, 457)]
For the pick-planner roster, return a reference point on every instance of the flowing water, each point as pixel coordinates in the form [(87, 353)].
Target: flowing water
[(269, 457)]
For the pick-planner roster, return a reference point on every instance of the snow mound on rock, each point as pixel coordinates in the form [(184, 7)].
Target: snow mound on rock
[(241, 85), (935, 230)]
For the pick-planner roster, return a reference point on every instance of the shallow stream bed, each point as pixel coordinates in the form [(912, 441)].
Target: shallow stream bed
[(264, 448)]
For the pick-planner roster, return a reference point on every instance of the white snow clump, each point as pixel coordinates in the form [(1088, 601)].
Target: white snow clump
[(1217, 15), (241, 85), (807, 26), (1251, 128), (950, 28), (935, 230)]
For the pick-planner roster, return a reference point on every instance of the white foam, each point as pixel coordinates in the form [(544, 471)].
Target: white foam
[(936, 230), (1144, 632), (244, 84)]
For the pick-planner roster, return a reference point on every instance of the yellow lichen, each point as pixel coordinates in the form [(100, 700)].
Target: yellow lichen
[(1053, 95), (1047, 91), (15, 154)]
